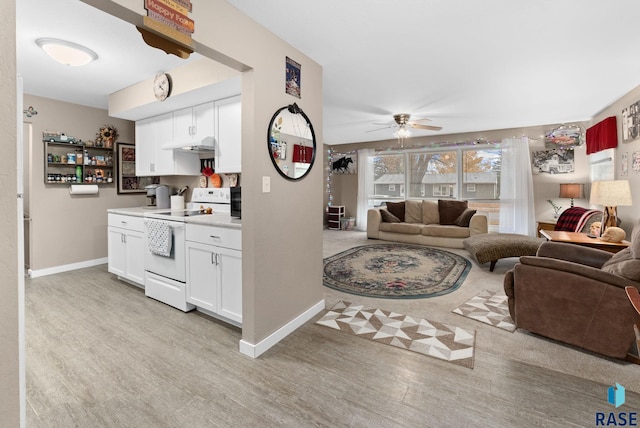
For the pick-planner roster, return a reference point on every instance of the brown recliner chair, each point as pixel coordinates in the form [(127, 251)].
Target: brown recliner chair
[(576, 295)]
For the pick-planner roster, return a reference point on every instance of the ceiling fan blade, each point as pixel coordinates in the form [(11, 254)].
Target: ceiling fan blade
[(420, 119), (380, 129), (429, 127)]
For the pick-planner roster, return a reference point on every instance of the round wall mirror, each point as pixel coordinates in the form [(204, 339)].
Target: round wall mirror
[(291, 142)]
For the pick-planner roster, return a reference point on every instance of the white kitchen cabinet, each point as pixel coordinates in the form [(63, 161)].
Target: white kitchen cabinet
[(126, 247), (214, 270), (194, 124), (151, 159), (228, 126)]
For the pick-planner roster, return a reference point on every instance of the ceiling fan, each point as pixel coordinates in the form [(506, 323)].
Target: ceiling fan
[(403, 122)]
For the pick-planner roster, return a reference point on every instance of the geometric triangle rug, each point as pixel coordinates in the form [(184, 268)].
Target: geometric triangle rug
[(430, 338), (490, 308)]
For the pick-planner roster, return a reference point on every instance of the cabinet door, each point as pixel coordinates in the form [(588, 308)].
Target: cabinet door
[(203, 121), (164, 159), (134, 256), (116, 258), (228, 135), (183, 125), (230, 281), (201, 276), (145, 146)]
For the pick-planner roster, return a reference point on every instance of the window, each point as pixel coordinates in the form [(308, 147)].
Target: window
[(388, 172), (469, 173), (431, 168), (481, 173)]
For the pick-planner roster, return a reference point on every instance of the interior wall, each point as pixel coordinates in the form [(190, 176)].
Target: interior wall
[(285, 223), (67, 229), (628, 215), (10, 369), (344, 187)]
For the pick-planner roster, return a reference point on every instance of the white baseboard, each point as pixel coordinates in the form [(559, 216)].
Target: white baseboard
[(254, 351), (66, 268)]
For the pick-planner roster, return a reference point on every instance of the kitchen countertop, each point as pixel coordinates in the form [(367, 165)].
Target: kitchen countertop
[(135, 211), (215, 219)]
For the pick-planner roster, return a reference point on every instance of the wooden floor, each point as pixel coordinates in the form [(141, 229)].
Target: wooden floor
[(101, 354)]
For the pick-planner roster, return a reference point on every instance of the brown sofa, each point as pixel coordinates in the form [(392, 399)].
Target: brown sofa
[(426, 222), (576, 295)]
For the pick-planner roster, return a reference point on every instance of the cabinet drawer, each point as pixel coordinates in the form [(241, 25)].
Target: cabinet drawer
[(127, 222), (211, 235)]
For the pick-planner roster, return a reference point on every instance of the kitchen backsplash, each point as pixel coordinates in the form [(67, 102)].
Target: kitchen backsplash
[(175, 182)]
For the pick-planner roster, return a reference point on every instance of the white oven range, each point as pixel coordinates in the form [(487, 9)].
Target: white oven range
[(165, 271)]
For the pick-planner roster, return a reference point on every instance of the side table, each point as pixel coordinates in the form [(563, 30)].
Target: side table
[(545, 225), (582, 239)]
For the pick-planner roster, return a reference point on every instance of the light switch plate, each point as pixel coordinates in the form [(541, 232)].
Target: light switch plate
[(266, 184)]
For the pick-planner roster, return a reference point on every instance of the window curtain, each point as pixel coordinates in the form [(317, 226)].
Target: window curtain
[(516, 188), (365, 183), (603, 135)]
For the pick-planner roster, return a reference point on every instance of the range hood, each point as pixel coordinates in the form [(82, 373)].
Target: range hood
[(206, 145)]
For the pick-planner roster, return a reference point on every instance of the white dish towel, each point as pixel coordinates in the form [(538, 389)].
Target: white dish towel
[(159, 237)]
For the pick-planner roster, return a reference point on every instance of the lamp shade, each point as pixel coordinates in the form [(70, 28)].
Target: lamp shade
[(571, 190), (610, 193)]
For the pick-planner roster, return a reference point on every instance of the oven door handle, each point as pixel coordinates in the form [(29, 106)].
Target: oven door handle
[(175, 225)]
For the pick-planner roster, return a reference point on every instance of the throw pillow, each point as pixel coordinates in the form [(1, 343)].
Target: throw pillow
[(387, 217), (449, 211), (413, 211), (397, 209), (465, 218), (624, 265)]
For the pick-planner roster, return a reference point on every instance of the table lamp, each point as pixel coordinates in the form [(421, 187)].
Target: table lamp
[(571, 191), (610, 194)]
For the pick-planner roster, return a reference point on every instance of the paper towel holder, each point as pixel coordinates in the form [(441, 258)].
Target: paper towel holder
[(83, 189)]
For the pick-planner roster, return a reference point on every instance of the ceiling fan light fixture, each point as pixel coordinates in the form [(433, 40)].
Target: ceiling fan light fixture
[(402, 132), (67, 53)]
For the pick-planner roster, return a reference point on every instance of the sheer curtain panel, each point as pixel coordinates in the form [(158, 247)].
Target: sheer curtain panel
[(365, 185), (516, 188)]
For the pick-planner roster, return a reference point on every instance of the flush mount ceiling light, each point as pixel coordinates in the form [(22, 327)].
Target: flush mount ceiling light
[(67, 53)]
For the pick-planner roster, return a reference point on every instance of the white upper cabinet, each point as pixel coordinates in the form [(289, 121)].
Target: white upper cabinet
[(151, 159), (228, 125), (213, 125), (194, 124)]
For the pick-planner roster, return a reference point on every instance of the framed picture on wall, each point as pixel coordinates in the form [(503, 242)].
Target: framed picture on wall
[(127, 180), (293, 84), (631, 122), (624, 164)]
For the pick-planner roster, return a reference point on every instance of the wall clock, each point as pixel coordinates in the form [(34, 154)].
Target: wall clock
[(162, 86)]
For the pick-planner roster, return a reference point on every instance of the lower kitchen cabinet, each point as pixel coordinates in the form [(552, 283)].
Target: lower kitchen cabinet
[(126, 247), (214, 271)]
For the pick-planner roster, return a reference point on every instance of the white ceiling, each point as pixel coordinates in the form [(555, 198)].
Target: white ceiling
[(467, 65)]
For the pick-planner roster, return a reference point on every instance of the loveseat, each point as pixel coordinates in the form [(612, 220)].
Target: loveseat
[(576, 295), (442, 223)]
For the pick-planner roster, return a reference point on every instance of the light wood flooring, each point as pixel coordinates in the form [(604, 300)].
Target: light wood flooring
[(101, 354)]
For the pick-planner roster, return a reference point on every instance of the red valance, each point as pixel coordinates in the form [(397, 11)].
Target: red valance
[(602, 135)]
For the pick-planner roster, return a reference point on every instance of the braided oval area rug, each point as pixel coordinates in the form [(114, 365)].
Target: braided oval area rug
[(395, 271)]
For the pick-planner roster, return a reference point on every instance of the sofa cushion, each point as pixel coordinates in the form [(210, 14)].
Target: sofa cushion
[(430, 212), (464, 218), (397, 209), (445, 231), (623, 264), (406, 228), (449, 211), (388, 217), (413, 211)]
